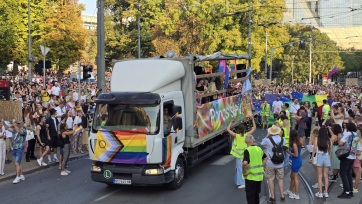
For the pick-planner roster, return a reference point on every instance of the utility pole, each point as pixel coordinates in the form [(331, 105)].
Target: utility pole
[(29, 43), (139, 31), (249, 33), (266, 53), (101, 64), (310, 61)]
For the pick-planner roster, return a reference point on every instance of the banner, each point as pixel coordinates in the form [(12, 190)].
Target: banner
[(11, 110), (216, 115)]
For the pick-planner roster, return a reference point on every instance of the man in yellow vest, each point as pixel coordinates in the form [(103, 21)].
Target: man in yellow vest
[(237, 150), (325, 110), (253, 170), (265, 113)]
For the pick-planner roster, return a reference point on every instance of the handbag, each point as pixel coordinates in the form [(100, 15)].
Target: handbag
[(29, 135), (343, 151)]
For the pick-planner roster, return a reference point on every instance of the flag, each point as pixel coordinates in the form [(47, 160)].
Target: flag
[(333, 71), (222, 66)]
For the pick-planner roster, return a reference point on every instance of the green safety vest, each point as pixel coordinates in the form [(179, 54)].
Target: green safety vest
[(255, 168), (239, 146), (286, 137), (327, 108), (265, 110), (288, 114)]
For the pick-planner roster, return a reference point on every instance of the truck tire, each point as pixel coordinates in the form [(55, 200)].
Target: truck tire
[(179, 175)]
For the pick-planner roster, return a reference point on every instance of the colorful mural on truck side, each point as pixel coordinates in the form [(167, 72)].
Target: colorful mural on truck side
[(121, 147), (216, 115)]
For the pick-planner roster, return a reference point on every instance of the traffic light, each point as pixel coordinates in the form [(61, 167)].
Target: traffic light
[(86, 70), (302, 44), (39, 69)]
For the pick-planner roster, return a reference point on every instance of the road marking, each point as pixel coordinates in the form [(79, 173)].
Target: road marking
[(107, 195), (223, 160)]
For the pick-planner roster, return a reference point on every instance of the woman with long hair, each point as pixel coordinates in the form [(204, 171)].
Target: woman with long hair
[(64, 133), (314, 135), (336, 131), (30, 126), (238, 148), (322, 146), (295, 153), (357, 162), (351, 138)]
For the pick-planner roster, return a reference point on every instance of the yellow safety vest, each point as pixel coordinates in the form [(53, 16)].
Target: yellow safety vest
[(288, 114), (265, 110), (255, 168), (286, 137), (327, 108), (239, 146)]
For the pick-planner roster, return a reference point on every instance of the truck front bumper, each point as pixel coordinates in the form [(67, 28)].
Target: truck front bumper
[(123, 174)]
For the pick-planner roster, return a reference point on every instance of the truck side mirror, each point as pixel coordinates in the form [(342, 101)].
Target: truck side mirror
[(177, 123), (176, 109)]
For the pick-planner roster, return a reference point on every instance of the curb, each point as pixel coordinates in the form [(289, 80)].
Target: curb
[(38, 168)]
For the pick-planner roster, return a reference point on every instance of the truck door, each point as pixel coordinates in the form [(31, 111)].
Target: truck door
[(168, 130)]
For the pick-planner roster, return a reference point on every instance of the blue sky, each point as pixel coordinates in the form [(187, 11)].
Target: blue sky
[(91, 7)]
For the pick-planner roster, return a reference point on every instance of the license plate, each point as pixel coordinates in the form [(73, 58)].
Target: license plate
[(122, 181)]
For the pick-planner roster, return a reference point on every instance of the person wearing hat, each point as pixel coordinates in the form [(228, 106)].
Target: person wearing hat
[(273, 170), (76, 141), (52, 124), (265, 113), (253, 170)]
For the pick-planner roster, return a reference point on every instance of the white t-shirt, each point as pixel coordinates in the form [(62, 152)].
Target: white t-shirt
[(75, 96), (55, 90), (277, 106), (60, 112), (70, 122), (77, 120), (266, 143), (293, 108), (345, 139)]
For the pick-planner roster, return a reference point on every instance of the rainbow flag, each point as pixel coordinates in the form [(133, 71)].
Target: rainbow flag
[(166, 150), (78, 130), (121, 147)]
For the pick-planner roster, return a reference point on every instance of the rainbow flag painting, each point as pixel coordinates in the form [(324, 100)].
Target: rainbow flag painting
[(121, 147), (166, 150)]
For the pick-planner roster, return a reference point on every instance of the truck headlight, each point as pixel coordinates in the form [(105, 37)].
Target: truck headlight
[(154, 171), (96, 169)]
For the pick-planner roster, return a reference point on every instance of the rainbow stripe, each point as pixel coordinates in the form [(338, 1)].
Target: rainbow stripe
[(121, 147), (166, 150), (78, 130)]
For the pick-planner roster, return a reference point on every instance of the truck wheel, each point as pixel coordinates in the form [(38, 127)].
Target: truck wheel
[(179, 175)]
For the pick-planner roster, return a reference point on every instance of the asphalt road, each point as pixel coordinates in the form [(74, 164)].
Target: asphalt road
[(211, 182)]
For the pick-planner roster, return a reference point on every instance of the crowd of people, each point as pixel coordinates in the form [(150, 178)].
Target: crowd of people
[(55, 120), (334, 130)]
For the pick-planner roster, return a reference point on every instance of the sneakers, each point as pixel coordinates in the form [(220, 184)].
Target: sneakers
[(319, 195), (21, 177), (355, 190), (55, 159), (341, 185), (241, 186), (63, 173), (333, 178), (303, 147), (287, 192), (44, 164), (293, 196), (316, 185), (326, 195), (16, 180), (39, 161), (68, 171), (345, 196)]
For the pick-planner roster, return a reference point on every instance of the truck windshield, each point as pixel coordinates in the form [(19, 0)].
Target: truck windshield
[(127, 118)]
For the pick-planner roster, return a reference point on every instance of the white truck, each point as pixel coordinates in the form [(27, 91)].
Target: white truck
[(152, 127)]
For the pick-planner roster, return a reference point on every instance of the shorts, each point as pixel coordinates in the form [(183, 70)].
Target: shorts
[(53, 142), (8, 143), (272, 173), (17, 154), (45, 141), (323, 160), (61, 151), (356, 163)]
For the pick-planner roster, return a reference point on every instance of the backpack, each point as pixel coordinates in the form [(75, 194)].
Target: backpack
[(278, 152)]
